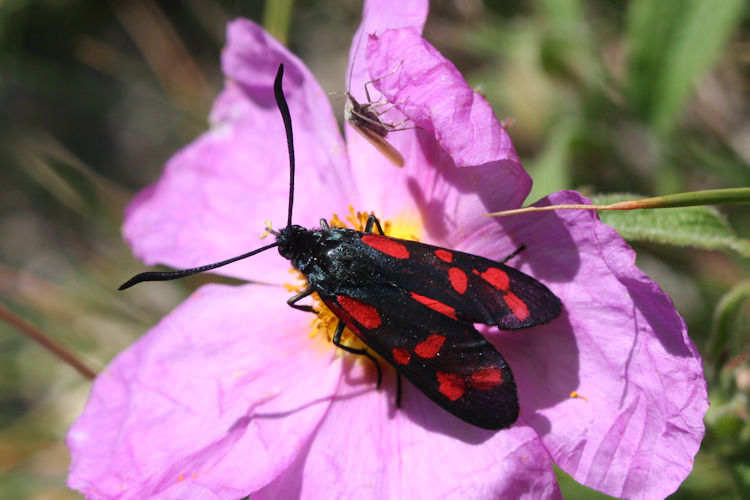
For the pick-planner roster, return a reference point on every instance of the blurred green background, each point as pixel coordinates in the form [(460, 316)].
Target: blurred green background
[(604, 96)]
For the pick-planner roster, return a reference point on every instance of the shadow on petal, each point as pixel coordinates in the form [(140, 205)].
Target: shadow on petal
[(288, 484), (551, 250), (545, 364), (428, 415), (414, 405), (251, 414)]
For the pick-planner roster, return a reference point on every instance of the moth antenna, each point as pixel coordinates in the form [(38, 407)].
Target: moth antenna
[(173, 275), (278, 92)]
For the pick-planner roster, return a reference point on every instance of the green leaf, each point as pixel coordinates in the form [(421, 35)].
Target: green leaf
[(741, 472), (671, 44), (561, 10), (697, 227), (724, 321), (711, 478)]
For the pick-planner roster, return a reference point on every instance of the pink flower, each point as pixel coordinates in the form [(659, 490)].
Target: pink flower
[(228, 395)]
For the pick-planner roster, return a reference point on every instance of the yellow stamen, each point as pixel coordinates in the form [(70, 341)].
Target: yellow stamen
[(269, 229), (325, 322), (575, 394)]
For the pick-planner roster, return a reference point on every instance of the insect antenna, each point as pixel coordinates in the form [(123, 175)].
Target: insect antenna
[(278, 93), (173, 275), (354, 58)]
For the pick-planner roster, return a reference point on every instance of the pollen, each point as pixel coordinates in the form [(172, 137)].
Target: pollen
[(324, 323), (269, 230), (575, 394), (403, 226), (300, 285), (357, 221)]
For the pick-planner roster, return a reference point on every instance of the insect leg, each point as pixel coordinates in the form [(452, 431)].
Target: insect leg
[(515, 252), (324, 224), (378, 79), (304, 293), (373, 221), (360, 352)]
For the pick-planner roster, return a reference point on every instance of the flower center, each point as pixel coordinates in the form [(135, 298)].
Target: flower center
[(323, 324)]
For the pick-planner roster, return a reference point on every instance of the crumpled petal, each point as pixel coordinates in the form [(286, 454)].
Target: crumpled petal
[(614, 387), (429, 90), (223, 394), (377, 17), (367, 448), (213, 198), (450, 203)]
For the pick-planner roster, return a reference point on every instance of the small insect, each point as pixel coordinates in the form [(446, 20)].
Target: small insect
[(413, 304), (365, 118)]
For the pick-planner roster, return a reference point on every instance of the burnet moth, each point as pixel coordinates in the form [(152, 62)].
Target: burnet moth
[(413, 304)]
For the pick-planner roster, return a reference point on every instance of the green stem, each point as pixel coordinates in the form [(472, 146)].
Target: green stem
[(57, 349), (277, 18), (732, 196)]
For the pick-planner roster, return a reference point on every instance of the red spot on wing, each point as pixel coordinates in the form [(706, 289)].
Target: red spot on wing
[(386, 245), (401, 356), (486, 379), (458, 279), (517, 306), (364, 314), (495, 277), (443, 254), (435, 305), (429, 347), (452, 385)]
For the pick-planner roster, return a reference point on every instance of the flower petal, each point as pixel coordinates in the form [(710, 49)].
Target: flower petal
[(367, 162), (433, 94), (614, 387), (450, 202), (226, 381), (184, 490), (378, 16), (457, 127), (215, 194), (367, 448)]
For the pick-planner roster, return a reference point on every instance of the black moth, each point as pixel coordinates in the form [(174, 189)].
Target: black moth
[(413, 304)]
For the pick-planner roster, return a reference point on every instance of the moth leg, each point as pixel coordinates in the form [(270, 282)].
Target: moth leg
[(304, 293), (373, 221), (324, 224), (367, 93), (360, 352), (391, 127), (513, 254)]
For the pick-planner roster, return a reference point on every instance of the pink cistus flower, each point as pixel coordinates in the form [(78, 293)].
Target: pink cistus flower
[(234, 393)]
